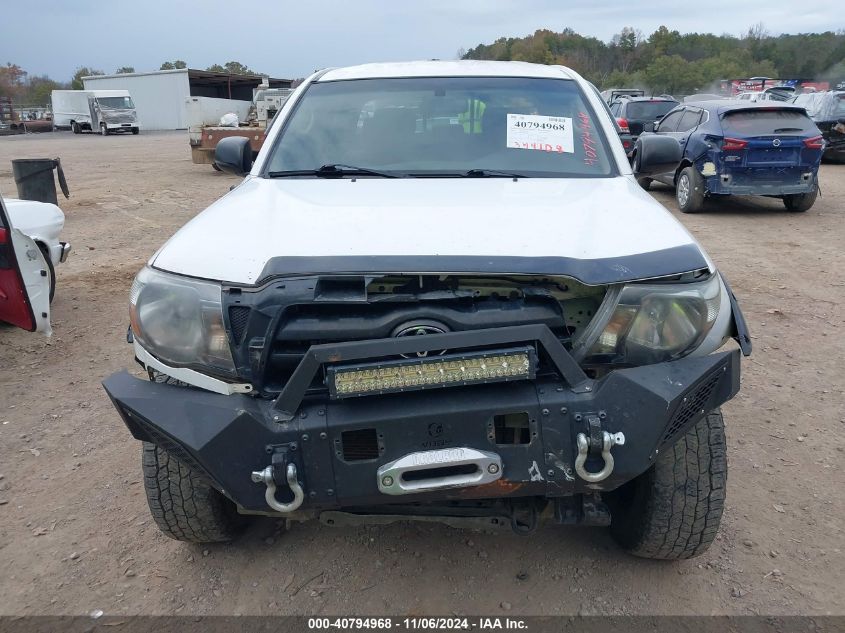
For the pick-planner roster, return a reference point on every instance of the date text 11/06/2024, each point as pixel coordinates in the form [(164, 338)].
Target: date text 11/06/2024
[(419, 624)]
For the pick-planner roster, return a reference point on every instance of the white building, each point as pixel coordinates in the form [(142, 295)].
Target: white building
[(160, 95)]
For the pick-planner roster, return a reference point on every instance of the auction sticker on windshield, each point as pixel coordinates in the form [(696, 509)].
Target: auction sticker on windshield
[(543, 133)]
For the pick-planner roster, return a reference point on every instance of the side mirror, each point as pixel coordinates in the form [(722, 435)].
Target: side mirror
[(233, 155), (654, 155)]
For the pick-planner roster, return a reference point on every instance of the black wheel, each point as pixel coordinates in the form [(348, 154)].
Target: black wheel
[(216, 168), (800, 202), (673, 510), (104, 131), (74, 126), (184, 506), (689, 190), (135, 130), (51, 271), (645, 183)]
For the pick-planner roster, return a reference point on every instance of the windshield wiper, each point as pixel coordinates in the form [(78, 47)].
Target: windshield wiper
[(333, 170), (472, 173), (490, 173)]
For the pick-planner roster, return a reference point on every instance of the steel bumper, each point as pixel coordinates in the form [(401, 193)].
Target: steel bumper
[(338, 446)]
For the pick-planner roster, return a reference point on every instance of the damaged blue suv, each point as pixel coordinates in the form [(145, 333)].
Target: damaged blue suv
[(742, 148)]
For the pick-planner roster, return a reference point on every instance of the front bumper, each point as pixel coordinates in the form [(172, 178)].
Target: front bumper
[(340, 447), (122, 126)]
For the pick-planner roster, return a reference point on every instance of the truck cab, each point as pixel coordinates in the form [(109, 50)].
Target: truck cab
[(103, 111)]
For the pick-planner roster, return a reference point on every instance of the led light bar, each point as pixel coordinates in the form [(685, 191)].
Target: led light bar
[(346, 381)]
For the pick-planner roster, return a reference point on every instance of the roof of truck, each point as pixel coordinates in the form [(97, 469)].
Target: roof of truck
[(435, 68)]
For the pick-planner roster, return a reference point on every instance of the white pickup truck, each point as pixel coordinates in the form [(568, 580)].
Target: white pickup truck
[(440, 294)]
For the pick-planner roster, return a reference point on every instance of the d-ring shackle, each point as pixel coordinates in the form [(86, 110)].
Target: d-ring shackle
[(266, 476), (608, 441)]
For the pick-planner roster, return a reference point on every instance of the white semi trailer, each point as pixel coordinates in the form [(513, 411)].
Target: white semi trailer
[(103, 111)]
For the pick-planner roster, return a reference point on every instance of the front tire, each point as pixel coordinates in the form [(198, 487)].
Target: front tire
[(800, 202), (689, 190), (645, 183), (184, 506), (673, 510), (74, 127), (135, 130), (104, 131)]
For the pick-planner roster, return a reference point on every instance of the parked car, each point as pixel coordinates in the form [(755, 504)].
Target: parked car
[(827, 109), (729, 147), (774, 93), (612, 94), (30, 250), (468, 322), (638, 114), (624, 135)]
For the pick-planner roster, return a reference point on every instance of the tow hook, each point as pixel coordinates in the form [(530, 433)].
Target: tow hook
[(608, 441), (266, 476)]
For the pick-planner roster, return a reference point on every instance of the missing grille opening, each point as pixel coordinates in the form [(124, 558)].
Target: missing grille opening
[(512, 428), (436, 473), (360, 445)]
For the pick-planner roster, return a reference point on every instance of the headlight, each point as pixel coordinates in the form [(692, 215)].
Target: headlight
[(180, 320), (653, 323)]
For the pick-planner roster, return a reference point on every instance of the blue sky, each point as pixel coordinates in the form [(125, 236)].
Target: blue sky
[(291, 39)]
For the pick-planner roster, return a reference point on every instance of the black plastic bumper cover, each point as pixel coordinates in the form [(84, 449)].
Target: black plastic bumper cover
[(228, 437)]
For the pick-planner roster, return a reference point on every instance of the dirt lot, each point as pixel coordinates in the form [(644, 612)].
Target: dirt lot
[(75, 533)]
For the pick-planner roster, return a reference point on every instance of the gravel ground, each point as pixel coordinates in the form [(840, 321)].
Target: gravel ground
[(75, 533)]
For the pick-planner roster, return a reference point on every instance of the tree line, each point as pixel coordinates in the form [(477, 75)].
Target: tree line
[(675, 63), (34, 90)]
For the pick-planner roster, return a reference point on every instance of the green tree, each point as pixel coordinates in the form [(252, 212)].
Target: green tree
[(234, 68), (626, 42), (668, 61), (39, 89), (123, 70), (672, 74), (83, 71), (11, 80), (174, 65)]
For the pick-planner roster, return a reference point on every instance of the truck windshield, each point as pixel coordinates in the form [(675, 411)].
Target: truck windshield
[(115, 103), (447, 126)]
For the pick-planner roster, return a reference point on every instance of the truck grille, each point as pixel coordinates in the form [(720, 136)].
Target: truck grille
[(119, 117), (272, 328)]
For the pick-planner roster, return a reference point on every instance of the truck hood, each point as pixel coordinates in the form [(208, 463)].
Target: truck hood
[(595, 230)]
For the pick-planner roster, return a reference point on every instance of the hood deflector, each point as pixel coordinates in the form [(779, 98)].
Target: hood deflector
[(671, 261)]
